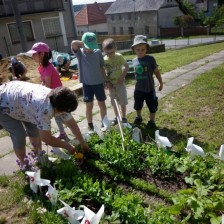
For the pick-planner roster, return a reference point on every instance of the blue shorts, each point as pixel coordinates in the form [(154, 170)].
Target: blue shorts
[(18, 130), (150, 98), (90, 90)]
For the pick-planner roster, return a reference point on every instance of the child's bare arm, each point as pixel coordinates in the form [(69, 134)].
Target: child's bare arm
[(103, 72), (124, 73), (76, 44), (159, 78)]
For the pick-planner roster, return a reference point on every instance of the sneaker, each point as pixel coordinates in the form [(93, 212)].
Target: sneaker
[(114, 121), (91, 127), (151, 124), (62, 135), (138, 120), (124, 120)]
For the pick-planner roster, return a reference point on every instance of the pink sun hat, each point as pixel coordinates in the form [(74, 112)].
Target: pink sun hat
[(38, 47)]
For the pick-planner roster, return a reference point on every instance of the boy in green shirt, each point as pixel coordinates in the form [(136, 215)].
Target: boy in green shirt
[(116, 69)]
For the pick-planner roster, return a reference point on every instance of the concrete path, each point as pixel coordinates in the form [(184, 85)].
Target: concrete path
[(173, 80)]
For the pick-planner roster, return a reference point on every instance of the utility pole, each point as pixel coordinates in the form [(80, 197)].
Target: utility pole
[(134, 17), (19, 24), (73, 18)]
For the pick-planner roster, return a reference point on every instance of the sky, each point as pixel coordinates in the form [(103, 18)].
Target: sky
[(79, 2)]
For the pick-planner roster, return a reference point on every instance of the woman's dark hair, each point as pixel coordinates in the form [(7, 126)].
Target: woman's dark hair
[(63, 99), (46, 58)]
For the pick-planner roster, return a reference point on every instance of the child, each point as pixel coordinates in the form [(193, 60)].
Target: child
[(62, 61), (145, 66), (18, 69), (116, 68), (41, 53), (91, 73)]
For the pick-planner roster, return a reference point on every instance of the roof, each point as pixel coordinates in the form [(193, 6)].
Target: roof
[(92, 14), (77, 8), (124, 6)]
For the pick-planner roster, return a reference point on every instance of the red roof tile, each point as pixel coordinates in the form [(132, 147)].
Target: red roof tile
[(92, 14)]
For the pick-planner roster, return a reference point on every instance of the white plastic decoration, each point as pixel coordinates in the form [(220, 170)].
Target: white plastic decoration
[(106, 123), (99, 132), (36, 181), (162, 142), (194, 149), (136, 135), (60, 153), (90, 217), (52, 194), (72, 215), (221, 152), (52, 159), (126, 125), (86, 136)]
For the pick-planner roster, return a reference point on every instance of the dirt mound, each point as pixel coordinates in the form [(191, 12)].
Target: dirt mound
[(68, 78)]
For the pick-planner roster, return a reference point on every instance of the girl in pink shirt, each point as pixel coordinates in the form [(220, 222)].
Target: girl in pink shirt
[(41, 53)]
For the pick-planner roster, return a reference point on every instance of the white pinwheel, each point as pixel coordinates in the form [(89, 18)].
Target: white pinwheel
[(90, 217), (193, 149), (36, 181), (136, 134), (99, 132), (161, 141), (221, 152), (60, 153), (52, 194), (106, 123), (72, 215)]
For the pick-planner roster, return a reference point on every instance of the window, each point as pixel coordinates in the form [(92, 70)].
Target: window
[(114, 30), (146, 29), (119, 17), (131, 30), (14, 33), (129, 16), (121, 30), (51, 27), (112, 17)]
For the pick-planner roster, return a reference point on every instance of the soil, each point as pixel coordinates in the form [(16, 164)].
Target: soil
[(68, 78)]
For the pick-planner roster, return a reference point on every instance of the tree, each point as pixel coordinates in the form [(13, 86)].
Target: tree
[(220, 3), (216, 19), (187, 8), (183, 21)]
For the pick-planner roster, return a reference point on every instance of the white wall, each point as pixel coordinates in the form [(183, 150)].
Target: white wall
[(103, 27), (166, 16)]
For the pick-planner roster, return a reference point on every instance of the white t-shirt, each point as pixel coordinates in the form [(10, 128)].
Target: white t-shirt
[(28, 102)]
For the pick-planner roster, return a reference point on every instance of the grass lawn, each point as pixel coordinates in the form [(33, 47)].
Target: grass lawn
[(195, 110)]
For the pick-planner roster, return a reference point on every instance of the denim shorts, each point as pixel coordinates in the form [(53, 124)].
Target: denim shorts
[(150, 99), (90, 90), (18, 130)]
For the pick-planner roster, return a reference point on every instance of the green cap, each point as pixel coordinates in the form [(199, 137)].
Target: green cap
[(89, 40)]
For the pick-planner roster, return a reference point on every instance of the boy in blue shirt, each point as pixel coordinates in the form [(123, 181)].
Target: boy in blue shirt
[(91, 74)]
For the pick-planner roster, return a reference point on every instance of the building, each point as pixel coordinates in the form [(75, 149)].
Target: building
[(147, 16), (91, 18), (49, 21)]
